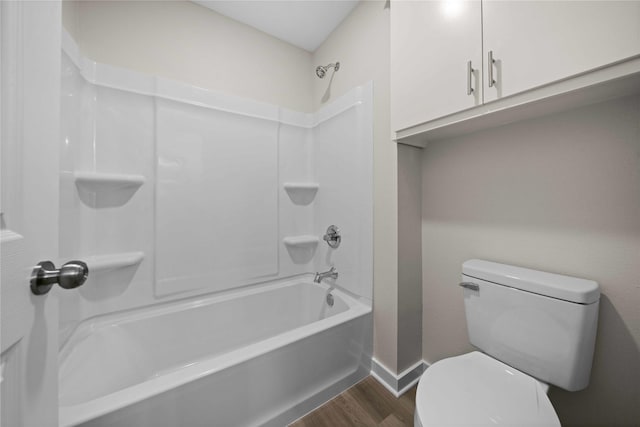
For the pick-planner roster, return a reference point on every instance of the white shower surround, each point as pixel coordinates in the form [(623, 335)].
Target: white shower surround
[(317, 170), (128, 125)]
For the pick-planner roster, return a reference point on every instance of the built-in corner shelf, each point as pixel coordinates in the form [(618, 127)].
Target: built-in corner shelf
[(301, 193), (102, 263), (301, 241), (98, 182), (301, 186)]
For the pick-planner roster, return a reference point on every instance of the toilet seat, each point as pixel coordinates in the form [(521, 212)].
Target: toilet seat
[(475, 389)]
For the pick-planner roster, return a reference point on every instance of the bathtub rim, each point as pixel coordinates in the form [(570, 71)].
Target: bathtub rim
[(71, 415)]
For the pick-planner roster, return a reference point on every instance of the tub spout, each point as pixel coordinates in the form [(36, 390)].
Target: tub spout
[(331, 274)]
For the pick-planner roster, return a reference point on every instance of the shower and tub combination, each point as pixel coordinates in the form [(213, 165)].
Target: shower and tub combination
[(201, 218)]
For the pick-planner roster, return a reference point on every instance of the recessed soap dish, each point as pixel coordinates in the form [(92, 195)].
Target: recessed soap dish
[(301, 193), (301, 241), (99, 181)]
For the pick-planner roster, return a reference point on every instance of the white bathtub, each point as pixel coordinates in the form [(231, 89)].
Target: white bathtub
[(260, 356)]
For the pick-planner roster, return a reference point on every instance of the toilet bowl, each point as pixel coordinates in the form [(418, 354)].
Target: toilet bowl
[(533, 329), (475, 389)]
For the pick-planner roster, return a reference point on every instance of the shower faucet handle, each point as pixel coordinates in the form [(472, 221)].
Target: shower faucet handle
[(332, 237)]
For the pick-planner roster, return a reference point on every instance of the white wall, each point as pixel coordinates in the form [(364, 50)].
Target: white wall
[(183, 41), (559, 193), (361, 45), (409, 256)]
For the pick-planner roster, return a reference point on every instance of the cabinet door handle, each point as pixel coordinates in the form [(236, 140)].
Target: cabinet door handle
[(469, 78), (491, 61)]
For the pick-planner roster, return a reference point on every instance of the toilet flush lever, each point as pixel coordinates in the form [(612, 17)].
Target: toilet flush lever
[(470, 285)]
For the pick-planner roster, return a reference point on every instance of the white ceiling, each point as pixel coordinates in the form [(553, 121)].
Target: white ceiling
[(303, 23)]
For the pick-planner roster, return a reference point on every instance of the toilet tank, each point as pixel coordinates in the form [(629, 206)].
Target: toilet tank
[(540, 323)]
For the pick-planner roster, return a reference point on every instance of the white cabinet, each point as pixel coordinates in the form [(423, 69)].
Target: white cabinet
[(431, 45), (533, 43), (538, 42)]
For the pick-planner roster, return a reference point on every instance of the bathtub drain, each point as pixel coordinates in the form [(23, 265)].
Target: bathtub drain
[(330, 300)]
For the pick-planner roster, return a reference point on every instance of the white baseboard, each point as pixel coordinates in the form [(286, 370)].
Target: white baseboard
[(400, 383)]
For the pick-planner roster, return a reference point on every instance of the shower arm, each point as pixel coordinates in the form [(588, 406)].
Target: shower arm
[(321, 70)]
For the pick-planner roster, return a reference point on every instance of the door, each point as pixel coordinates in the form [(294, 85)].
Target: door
[(29, 126), (538, 42), (433, 45)]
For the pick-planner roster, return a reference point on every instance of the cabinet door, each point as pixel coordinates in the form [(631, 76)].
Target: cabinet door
[(539, 42), (431, 43)]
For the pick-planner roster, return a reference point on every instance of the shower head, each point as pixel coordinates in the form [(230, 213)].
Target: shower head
[(321, 70)]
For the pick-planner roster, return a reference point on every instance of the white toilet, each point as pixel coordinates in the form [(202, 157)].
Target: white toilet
[(533, 329)]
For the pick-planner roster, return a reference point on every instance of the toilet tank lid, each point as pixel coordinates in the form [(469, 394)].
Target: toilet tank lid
[(573, 289)]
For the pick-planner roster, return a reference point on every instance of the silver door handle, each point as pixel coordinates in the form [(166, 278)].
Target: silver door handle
[(470, 285), (469, 78), (491, 61), (69, 276)]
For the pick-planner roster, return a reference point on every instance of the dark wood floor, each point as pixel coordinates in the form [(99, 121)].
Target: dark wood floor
[(367, 403)]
